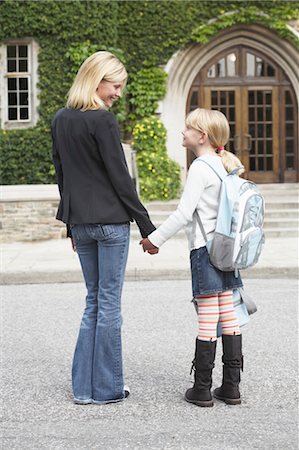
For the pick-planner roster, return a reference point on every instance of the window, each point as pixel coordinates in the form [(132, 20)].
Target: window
[(257, 67), (225, 67), (18, 73)]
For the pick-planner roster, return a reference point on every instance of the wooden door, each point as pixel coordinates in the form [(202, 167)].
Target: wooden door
[(259, 103), (252, 113)]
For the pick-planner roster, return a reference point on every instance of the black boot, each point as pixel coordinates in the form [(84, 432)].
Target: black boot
[(203, 365), (232, 360)]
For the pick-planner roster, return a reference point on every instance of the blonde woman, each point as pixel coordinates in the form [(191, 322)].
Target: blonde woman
[(98, 201), (206, 133)]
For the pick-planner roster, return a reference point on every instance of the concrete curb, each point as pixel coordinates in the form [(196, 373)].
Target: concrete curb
[(75, 276)]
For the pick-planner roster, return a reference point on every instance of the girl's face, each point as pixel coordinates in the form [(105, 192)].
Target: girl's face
[(109, 92), (191, 138)]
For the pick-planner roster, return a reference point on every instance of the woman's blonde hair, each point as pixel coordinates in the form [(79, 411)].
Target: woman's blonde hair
[(97, 67), (215, 125)]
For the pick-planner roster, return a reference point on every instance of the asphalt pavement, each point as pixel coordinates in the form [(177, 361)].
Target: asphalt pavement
[(39, 329)]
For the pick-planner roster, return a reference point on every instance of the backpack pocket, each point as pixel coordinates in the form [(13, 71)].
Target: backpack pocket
[(251, 247), (221, 252)]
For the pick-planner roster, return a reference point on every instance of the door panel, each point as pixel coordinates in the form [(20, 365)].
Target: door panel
[(253, 118), (260, 138)]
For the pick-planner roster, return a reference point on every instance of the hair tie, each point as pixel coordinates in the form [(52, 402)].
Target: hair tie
[(220, 149)]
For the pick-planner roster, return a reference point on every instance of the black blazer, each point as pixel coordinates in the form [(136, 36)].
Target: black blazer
[(93, 178)]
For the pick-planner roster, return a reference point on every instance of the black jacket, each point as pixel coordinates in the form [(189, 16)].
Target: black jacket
[(94, 182)]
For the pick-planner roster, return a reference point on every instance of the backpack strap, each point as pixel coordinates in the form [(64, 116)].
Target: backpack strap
[(221, 176), (197, 216), (206, 159)]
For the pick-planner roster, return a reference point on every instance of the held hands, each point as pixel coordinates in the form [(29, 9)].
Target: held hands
[(148, 246)]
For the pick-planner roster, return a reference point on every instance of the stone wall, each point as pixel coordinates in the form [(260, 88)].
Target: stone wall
[(28, 213)]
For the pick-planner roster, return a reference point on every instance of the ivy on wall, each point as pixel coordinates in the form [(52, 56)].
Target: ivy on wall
[(159, 175), (147, 33), (250, 14)]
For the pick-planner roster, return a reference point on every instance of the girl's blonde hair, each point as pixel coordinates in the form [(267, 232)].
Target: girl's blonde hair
[(97, 67), (215, 125)]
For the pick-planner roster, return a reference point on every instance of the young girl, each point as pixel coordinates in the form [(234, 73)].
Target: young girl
[(206, 133)]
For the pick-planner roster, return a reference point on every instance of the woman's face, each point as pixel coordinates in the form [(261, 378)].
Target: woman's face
[(109, 92)]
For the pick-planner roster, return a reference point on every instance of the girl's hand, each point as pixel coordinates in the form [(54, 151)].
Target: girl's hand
[(149, 247)]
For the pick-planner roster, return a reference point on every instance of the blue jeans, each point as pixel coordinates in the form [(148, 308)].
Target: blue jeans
[(97, 372)]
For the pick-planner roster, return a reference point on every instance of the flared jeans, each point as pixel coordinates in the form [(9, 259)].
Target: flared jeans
[(97, 372)]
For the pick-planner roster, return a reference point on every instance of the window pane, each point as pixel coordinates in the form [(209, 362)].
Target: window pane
[(290, 146), (23, 98), (194, 100), (231, 97), (289, 113), (24, 113), (252, 164), (259, 97), (11, 51), (251, 97), (23, 51), (260, 114), (211, 71), (269, 163), (23, 65), (12, 98), (12, 84), (260, 67), (290, 163), (12, 113), (269, 130), (250, 71), (269, 147), (260, 147), (231, 114), (23, 84), (214, 97), (288, 98), (268, 98), (11, 65), (289, 130), (260, 164), (223, 97), (220, 68), (270, 71), (231, 65), (268, 113), (251, 114)]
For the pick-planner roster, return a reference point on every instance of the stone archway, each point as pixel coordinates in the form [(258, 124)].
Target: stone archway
[(183, 67)]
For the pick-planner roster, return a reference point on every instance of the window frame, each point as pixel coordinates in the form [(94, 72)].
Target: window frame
[(31, 75)]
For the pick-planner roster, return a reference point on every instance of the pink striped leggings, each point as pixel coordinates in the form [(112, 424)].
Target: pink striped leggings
[(213, 308)]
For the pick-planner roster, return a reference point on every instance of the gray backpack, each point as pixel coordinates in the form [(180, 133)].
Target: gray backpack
[(239, 235)]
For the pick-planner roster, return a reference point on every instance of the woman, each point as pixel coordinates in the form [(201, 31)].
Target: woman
[(98, 201), (206, 133)]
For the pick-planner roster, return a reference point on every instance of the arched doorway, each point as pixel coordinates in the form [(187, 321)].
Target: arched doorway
[(259, 101)]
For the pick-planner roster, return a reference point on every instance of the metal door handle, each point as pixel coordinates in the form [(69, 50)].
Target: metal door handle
[(249, 143)]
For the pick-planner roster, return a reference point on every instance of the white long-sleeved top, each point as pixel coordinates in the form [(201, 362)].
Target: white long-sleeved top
[(201, 192)]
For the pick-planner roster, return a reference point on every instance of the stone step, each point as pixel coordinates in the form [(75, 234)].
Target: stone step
[(159, 216), (289, 223), (278, 213), (269, 233)]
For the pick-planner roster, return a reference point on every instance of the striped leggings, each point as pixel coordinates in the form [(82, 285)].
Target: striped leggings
[(213, 308)]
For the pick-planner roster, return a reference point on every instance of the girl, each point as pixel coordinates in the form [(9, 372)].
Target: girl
[(206, 133), (98, 201)]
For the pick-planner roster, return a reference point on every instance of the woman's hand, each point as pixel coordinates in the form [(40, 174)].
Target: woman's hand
[(73, 245), (149, 247)]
